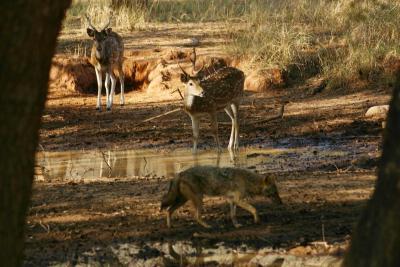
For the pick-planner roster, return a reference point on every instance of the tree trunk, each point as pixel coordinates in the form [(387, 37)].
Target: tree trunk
[(28, 32), (376, 239)]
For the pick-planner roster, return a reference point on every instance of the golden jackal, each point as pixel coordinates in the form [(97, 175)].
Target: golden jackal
[(233, 183)]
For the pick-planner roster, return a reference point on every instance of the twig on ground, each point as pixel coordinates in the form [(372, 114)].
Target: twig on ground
[(278, 116), (159, 116), (179, 91), (105, 160)]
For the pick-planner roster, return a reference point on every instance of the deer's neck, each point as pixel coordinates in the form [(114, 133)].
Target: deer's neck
[(189, 99)]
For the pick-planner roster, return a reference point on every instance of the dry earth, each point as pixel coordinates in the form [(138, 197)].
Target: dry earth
[(117, 221)]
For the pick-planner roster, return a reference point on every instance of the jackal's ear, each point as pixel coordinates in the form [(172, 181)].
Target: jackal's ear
[(90, 32)]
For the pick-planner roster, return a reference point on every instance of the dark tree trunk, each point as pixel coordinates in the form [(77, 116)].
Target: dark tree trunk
[(28, 32), (376, 240)]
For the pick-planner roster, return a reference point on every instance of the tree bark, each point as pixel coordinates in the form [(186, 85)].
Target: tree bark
[(376, 240), (28, 33)]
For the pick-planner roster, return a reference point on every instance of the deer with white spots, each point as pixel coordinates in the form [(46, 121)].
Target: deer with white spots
[(107, 58), (210, 93)]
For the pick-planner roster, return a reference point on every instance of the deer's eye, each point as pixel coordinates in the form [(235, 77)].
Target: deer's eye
[(191, 84)]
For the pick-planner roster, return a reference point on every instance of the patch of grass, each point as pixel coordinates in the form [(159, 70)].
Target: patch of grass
[(345, 38), (351, 38)]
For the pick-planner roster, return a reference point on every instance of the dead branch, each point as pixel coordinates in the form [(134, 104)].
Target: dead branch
[(159, 116), (278, 116), (105, 160), (179, 91)]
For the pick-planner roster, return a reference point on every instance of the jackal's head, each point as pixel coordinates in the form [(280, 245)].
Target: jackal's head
[(270, 190)]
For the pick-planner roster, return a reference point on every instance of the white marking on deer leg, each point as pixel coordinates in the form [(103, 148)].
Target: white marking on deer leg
[(107, 86), (113, 83), (122, 82), (99, 87), (235, 110), (195, 128), (228, 111)]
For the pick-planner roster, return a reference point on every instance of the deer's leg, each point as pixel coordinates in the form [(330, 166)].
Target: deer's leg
[(214, 126), (195, 128), (229, 111), (113, 83), (235, 109), (107, 86), (122, 82), (99, 87)]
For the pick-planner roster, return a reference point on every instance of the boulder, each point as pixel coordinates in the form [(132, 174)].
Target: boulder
[(263, 80), (377, 111)]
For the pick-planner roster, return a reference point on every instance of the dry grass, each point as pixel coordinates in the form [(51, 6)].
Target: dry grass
[(344, 37), (348, 37)]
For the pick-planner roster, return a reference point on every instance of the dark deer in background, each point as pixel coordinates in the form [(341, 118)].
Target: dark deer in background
[(208, 93), (107, 58)]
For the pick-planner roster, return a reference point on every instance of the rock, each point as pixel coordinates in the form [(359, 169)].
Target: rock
[(261, 81), (377, 111)]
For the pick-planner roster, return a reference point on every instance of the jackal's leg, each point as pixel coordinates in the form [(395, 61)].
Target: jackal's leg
[(235, 109), (113, 83), (233, 213), (107, 86), (197, 201), (198, 215), (99, 87), (195, 127), (229, 111), (214, 126), (122, 82), (246, 206), (179, 203)]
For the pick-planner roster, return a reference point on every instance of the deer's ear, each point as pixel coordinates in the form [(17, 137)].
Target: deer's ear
[(90, 32), (184, 78)]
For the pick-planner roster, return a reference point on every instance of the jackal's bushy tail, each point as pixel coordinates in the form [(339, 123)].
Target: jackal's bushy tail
[(169, 198)]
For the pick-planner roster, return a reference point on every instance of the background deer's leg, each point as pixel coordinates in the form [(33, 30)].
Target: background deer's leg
[(107, 86), (229, 111), (99, 87), (122, 82), (214, 126), (235, 109), (113, 83), (195, 127)]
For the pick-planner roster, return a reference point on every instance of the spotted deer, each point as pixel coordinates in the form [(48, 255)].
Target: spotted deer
[(212, 92), (106, 57)]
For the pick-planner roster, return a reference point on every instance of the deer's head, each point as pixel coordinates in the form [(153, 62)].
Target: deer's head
[(99, 37), (192, 82)]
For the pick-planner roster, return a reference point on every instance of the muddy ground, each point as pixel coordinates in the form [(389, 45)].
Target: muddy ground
[(116, 221)]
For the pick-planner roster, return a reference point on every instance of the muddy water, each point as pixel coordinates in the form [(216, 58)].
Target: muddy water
[(95, 164)]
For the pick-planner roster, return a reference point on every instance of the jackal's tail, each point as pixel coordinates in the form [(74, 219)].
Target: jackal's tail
[(169, 198)]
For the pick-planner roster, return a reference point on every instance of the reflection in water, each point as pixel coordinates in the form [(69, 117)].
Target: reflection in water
[(124, 163), (77, 165)]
